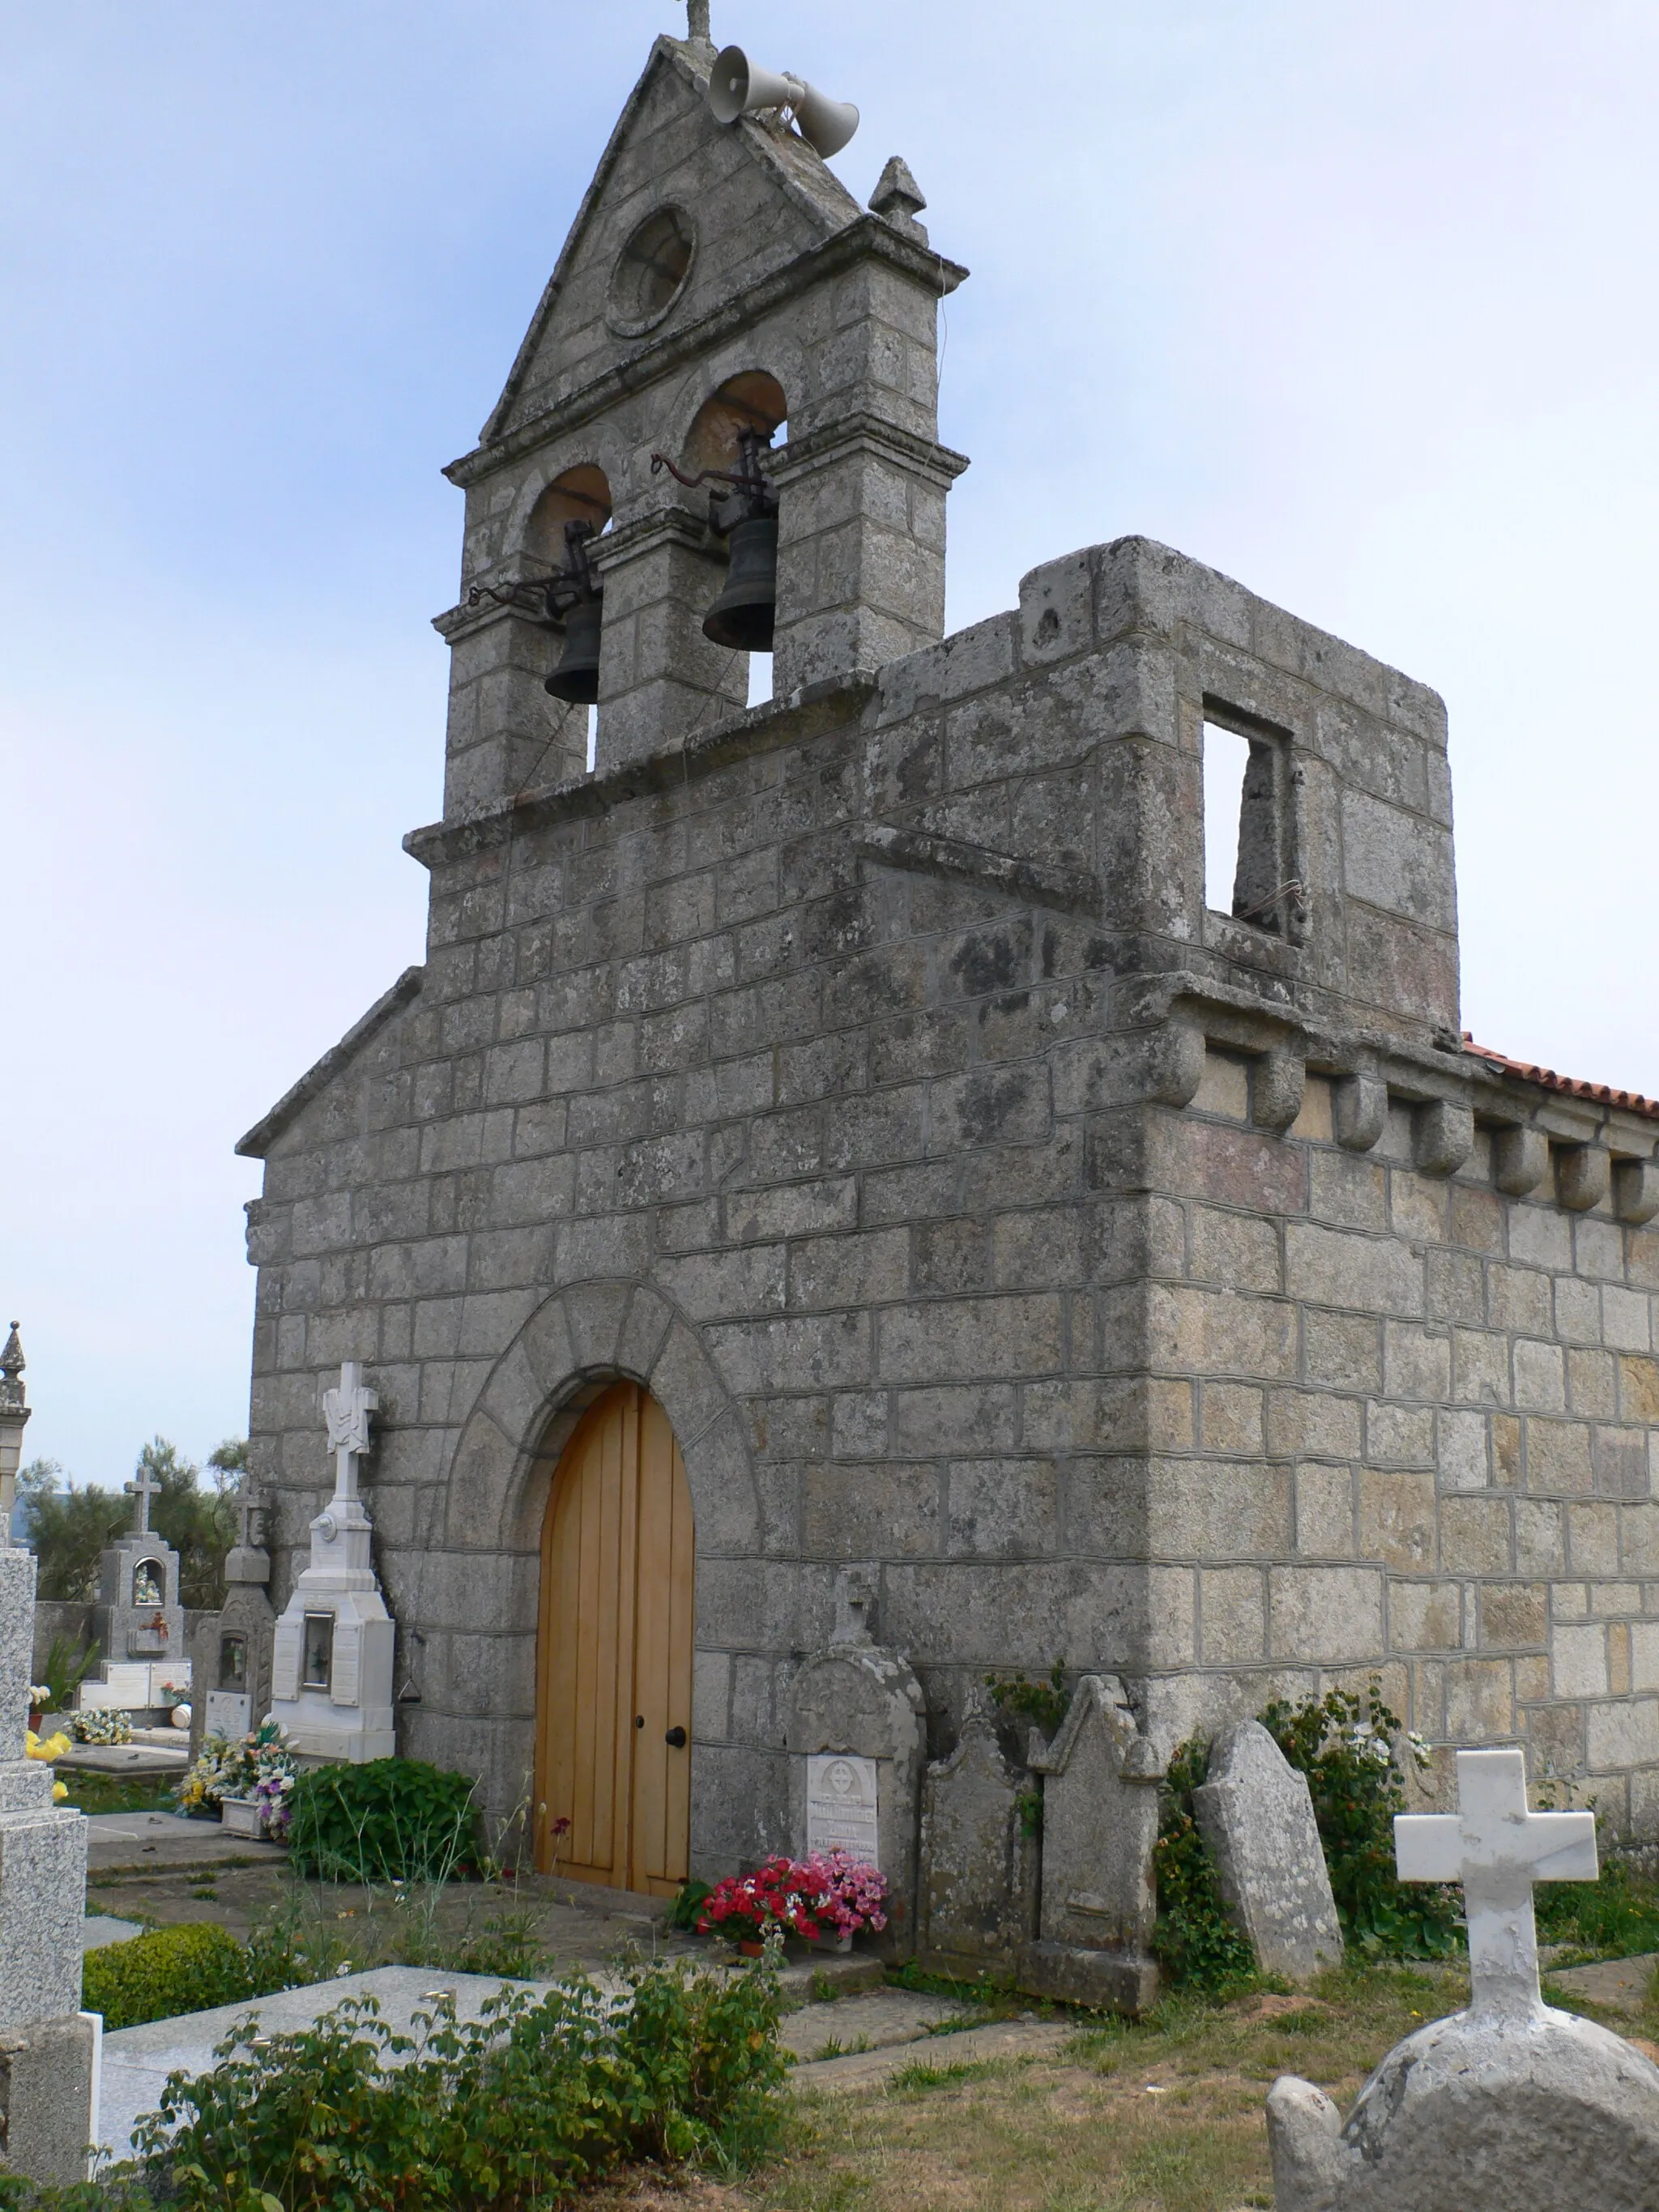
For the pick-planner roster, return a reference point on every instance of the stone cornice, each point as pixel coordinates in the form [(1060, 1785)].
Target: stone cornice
[(814, 707), (816, 449), (869, 236)]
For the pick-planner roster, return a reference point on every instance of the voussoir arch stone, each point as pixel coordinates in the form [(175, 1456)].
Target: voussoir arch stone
[(577, 1342)]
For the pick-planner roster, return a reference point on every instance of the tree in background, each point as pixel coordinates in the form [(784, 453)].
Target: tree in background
[(69, 1530), (199, 1524)]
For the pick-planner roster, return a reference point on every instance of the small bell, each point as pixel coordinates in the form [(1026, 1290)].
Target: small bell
[(577, 676), (743, 616)]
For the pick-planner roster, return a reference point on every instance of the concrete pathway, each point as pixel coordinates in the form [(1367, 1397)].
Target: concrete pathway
[(1009, 2038), (1619, 1985)]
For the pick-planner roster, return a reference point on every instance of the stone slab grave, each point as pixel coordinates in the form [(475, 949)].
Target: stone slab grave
[(1256, 1816), (1509, 2107), (130, 1759), (149, 1841), (99, 1929), (877, 2021), (138, 2060)]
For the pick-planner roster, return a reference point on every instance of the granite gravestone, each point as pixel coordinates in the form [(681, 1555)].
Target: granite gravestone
[(1256, 1816), (231, 1660), (331, 1657), (1099, 1825), (978, 1856), (1511, 2106), (48, 2046), (137, 1619), (856, 1728)]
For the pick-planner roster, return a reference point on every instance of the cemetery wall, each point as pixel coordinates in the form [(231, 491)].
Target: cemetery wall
[(1129, 1282)]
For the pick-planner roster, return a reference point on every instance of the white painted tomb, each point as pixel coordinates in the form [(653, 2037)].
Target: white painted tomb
[(331, 1674)]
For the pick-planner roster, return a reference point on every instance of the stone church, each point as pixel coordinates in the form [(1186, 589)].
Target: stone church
[(838, 1134)]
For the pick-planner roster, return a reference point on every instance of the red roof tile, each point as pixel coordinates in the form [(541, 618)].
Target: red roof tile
[(1602, 1093)]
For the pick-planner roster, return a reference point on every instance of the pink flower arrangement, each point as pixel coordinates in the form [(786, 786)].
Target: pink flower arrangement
[(851, 1892)]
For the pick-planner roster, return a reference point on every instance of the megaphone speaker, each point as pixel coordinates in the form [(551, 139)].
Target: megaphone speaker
[(738, 86)]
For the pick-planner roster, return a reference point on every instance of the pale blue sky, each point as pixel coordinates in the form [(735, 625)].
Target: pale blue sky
[(1358, 305)]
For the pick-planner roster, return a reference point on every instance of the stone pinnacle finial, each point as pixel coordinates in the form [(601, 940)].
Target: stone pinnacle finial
[(697, 30), (897, 198), (12, 1363)]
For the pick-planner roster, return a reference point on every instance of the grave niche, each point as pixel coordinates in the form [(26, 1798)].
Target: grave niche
[(856, 1730), (137, 1622), (231, 1667)]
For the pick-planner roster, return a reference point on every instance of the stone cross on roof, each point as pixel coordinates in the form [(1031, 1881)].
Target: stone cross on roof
[(698, 24), (143, 1487), (1498, 1850)]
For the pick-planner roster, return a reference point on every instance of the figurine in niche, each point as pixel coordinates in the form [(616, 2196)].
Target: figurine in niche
[(147, 1583), (232, 1663)]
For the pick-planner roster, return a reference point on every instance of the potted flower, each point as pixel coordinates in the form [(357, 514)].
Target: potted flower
[(851, 1893), (40, 1703), (779, 1896)]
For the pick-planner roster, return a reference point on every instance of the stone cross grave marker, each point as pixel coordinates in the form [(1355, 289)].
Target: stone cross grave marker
[(1511, 2106), (1498, 1850), (143, 1487)]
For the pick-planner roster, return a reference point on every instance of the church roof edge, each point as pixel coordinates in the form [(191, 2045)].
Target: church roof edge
[(316, 1078)]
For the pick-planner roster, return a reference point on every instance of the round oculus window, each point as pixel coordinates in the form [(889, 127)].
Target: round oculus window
[(650, 270)]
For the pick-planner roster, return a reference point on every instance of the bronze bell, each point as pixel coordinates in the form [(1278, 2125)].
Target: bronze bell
[(577, 676), (743, 614)]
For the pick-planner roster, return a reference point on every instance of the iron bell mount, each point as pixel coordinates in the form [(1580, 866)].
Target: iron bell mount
[(572, 598), (744, 615)]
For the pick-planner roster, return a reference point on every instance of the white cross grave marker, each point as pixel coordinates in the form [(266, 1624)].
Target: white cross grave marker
[(347, 1411), (1498, 1850)]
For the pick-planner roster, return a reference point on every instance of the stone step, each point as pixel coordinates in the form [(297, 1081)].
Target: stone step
[(873, 2020), (1001, 2039)]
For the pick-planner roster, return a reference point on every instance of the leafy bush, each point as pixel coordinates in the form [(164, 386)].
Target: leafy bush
[(1045, 1705), (174, 1970), (1344, 1746), (394, 1820), (515, 2110), (1195, 1939), (65, 1670)]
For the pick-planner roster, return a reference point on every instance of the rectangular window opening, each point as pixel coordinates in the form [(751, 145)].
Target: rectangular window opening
[(1226, 757), (319, 1650), (592, 739), (760, 679)]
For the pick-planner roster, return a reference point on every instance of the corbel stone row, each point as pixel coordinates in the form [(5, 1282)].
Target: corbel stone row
[(1588, 1166)]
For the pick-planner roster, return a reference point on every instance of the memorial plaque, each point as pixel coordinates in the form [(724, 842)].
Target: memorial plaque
[(175, 1672), (229, 1714), (126, 1686), (840, 1805)]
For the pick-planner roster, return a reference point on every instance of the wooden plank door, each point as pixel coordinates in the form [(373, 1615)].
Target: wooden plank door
[(614, 1673)]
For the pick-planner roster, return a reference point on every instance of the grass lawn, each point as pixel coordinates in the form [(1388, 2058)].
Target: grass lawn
[(1165, 2115)]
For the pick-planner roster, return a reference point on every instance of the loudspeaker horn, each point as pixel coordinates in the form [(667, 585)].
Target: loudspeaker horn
[(738, 86)]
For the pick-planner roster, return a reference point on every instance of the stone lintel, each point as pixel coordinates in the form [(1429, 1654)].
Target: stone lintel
[(863, 433), (1071, 890)]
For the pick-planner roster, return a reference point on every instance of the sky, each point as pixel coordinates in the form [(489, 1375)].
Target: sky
[(1356, 304)]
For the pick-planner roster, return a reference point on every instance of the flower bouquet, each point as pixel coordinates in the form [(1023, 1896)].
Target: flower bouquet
[(779, 1896), (850, 1892), (101, 1724), (53, 1747), (254, 1775)]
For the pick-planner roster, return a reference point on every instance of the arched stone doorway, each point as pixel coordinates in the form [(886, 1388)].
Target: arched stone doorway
[(613, 1672)]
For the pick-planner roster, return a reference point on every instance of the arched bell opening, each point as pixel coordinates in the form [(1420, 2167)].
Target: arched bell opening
[(574, 511), (612, 1790), (733, 432)]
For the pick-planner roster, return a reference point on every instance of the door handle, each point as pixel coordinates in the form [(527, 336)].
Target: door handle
[(675, 1736)]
